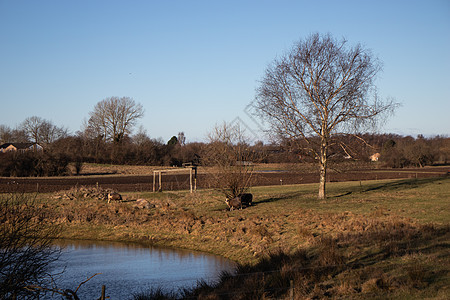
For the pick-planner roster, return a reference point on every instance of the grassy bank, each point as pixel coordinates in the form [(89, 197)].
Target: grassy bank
[(368, 239)]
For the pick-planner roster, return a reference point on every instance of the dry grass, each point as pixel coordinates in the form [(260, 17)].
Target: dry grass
[(374, 239)]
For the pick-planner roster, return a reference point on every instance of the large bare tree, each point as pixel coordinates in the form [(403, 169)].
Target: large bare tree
[(115, 117), (42, 131), (320, 89)]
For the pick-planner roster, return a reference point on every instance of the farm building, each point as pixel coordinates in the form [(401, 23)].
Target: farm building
[(21, 147)]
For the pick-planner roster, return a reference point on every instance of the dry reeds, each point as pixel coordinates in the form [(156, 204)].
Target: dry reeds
[(327, 271)]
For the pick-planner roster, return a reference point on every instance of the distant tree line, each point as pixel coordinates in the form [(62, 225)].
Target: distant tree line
[(139, 149), (396, 151), (108, 138)]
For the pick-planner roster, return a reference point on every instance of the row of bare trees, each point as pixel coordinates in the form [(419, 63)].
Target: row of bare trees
[(139, 149), (111, 120), (33, 129)]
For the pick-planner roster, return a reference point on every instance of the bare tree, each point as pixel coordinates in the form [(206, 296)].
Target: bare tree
[(31, 126), (115, 117), (232, 157), (181, 138), (141, 137), (321, 88), (5, 134), (19, 136), (49, 132), (42, 131), (8, 135)]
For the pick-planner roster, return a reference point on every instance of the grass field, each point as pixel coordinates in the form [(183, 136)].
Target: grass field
[(373, 239)]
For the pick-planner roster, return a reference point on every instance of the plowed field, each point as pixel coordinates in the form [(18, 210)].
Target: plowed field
[(139, 183)]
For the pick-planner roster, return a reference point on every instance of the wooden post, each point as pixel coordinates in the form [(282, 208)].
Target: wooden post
[(160, 186), (102, 297), (154, 181), (190, 178)]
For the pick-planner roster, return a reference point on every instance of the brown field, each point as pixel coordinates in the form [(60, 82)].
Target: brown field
[(380, 239), (140, 178)]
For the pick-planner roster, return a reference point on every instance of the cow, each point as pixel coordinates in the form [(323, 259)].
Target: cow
[(114, 196), (246, 199), (234, 203)]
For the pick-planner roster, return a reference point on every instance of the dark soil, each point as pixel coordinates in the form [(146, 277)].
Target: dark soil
[(140, 183)]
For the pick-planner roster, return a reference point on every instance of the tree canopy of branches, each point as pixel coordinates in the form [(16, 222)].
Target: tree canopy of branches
[(114, 117), (8, 135), (232, 157), (42, 131), (407, 151), (321, 88)]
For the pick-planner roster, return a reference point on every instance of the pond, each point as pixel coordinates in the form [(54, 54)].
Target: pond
[(127, 269)]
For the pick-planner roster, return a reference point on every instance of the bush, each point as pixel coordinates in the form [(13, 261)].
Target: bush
[(26, 253), (33, 164)]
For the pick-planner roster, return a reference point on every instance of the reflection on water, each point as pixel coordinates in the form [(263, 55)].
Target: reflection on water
[(130, 268)]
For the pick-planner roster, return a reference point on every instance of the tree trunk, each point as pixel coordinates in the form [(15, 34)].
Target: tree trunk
[(323, 169), (322, 180)]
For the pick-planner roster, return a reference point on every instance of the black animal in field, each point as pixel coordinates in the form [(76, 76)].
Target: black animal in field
[(245, 199)]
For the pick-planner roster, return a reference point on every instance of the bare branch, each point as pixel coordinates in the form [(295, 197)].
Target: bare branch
[(87, 281)]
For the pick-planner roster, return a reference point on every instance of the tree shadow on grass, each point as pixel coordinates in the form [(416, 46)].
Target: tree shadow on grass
[(403, 184), (281, 197)]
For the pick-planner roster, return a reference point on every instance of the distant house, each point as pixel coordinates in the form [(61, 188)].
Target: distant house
[(375, 157), (21, 147)]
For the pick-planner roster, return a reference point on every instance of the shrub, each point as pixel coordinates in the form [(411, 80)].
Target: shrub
[(26, 254), (33, 164)]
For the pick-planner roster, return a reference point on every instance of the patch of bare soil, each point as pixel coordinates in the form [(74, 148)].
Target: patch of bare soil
[(176, 181)]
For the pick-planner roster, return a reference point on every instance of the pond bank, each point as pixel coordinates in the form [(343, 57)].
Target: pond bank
[(360, 222)]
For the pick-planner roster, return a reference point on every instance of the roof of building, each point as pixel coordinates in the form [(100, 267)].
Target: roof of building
[(18, 145)]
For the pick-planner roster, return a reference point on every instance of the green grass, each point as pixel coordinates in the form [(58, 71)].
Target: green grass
[(394, 234), (425, 200)]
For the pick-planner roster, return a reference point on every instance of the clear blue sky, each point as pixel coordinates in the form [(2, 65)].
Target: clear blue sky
[(193, 64)]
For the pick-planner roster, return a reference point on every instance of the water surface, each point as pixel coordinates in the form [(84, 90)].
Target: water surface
[(131, 268)]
